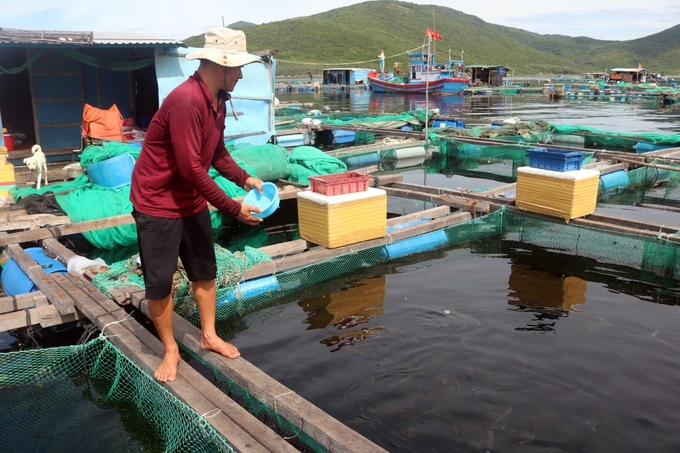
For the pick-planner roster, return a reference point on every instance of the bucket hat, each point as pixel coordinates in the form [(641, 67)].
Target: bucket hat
[(226, 47)]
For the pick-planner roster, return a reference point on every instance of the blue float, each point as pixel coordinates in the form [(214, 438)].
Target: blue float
[(645, 147), (614, 182), (14, 279), (362, 160), (420, 243), (249, 289)]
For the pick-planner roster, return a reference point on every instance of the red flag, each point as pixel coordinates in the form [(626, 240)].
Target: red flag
[(429, 34), (436, 35)]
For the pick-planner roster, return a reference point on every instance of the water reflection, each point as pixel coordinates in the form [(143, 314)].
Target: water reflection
[(546, 296), (345, 310)]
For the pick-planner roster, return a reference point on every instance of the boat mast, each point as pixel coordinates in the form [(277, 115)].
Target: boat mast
[(434, 49)]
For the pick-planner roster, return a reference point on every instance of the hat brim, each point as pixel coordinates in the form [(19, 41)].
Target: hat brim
[(227, 59)]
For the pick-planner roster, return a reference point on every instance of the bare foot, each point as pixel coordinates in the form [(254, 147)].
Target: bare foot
[(167, 370), (220, 346)]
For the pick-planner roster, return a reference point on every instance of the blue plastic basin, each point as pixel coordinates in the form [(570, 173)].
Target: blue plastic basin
[(268, 200), (114, 172)]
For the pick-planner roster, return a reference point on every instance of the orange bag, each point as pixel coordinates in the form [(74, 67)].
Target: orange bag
[(103, 124)]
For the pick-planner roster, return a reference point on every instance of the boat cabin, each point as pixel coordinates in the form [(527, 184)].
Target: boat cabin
[(491, 75), (345, 76), (424, 66), (627, 75)]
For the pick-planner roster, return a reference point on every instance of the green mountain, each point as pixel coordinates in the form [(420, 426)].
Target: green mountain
[(353, 36)]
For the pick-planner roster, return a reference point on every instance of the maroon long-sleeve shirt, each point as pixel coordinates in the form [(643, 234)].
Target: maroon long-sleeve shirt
[(186, 136)]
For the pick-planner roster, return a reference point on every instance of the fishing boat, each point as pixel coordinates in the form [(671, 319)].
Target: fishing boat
[(404, 84), (425, 74)]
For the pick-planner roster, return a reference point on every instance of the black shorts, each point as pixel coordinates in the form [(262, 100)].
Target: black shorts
[(162, 240)]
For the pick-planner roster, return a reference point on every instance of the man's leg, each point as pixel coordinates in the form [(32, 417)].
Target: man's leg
[(159, 240), (206, 299), (161, 313)]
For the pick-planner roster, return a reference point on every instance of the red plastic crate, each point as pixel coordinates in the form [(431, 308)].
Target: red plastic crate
[(340, 183)]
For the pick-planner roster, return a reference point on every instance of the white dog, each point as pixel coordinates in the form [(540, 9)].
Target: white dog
[(37, 164)]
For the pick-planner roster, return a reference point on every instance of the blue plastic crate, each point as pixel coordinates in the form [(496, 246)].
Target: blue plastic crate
[(555, 159)]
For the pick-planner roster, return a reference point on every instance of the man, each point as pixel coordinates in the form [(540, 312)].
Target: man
[(171, 190)]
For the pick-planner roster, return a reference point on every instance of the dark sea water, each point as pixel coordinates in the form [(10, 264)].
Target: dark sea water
[(493, 345)]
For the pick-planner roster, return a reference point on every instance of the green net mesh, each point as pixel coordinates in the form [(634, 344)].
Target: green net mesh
[(58, 398), (596, 137)]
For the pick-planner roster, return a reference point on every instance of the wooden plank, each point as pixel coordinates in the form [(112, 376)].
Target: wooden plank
[(496, 191), (432, 213), (494, 203), (468, 204), (123, 294), (325, 429), (92, 292), (49, 316), (148, 359), (32, 221), (322, 253), (77, 227), (35, 272), (220, 411), (96, 224), (645, 164), (285, 248), (20, 301), (46, 316), (242, 420), (58, 249), (622, 221), (606, 167), (384, 180)]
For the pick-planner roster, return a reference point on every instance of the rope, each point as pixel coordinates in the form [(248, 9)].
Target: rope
[(54, 229), (277, 413), (29, 328), (87, 333), (211, 413), (350, 63), (101, 335)]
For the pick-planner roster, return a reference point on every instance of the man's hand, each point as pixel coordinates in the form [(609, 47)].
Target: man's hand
[(252, 183), (245, 215)]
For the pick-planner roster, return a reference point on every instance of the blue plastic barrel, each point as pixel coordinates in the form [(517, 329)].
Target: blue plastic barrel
[(448, 123), (420, 243), (250, 289), (362, 160), (15, 281), (614, 182), (343, 137), (645, 147)]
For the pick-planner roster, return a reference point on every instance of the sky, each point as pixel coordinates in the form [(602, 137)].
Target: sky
[(618, 20)]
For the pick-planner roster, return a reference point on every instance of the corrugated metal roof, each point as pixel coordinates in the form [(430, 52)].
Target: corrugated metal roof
[(17, 36), (80, 38), (115, 38)]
